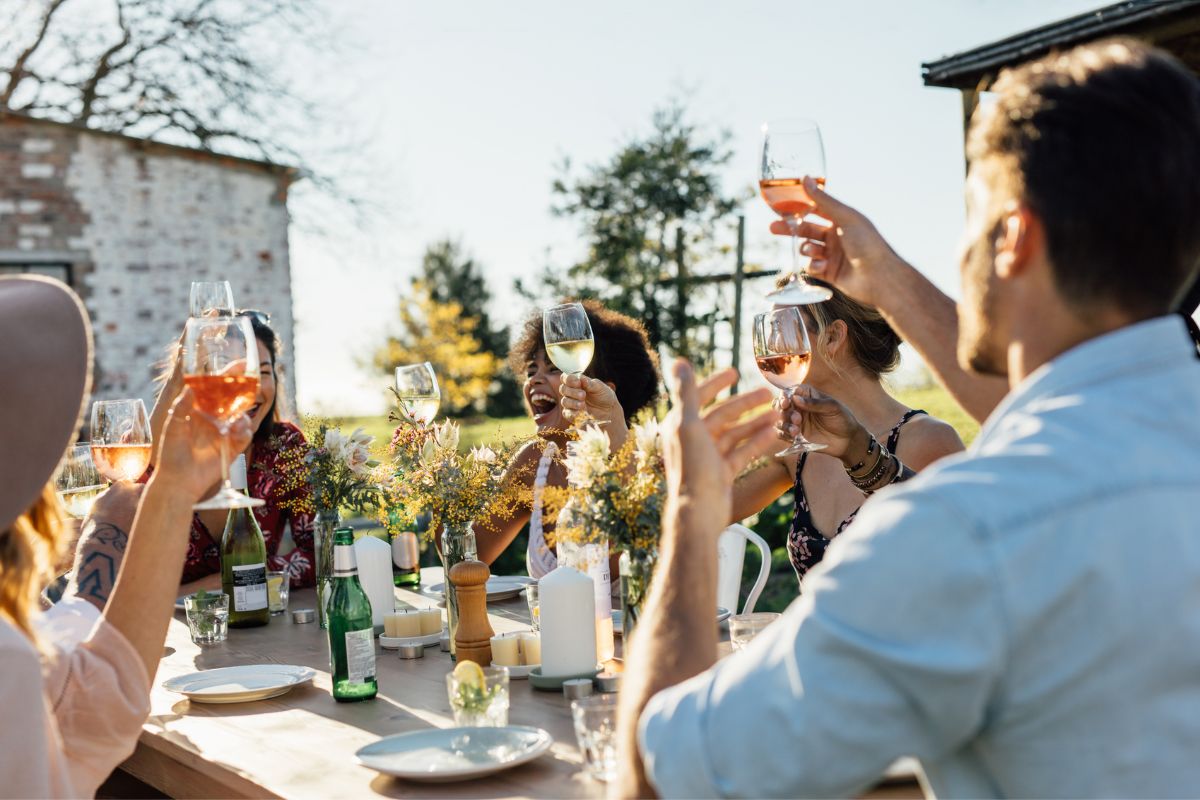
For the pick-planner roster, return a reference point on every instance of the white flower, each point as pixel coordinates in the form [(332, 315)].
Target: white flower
[(484, 455), (647, 440), (446, 435), (358, 451), (587, 457), (428, 451), (335, 443)]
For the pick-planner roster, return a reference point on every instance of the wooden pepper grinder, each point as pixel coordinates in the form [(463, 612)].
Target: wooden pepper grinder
[(473, 640)]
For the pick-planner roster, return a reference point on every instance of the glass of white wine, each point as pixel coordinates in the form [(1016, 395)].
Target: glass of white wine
[(418, 392), (79, 482), (210, 299), (783, 355), (568, 336), (120, 438)]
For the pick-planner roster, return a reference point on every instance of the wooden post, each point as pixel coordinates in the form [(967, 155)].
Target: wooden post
[(473, 640), (681, 287), (739, 274)]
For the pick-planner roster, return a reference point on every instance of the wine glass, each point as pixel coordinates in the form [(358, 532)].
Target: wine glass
[(791, 150), (568, 336), (120, 439), (220, 366), (417, 390), (783, 355), (210, 299), (79, 482)]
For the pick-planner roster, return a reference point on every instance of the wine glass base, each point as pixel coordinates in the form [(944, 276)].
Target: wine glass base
[(797, 448), (798, 293), (228, 499)]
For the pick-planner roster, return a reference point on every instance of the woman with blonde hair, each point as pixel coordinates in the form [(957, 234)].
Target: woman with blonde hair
[(72, 715)]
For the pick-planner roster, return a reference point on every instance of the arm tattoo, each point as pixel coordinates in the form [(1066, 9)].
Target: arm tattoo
[(101, 548)]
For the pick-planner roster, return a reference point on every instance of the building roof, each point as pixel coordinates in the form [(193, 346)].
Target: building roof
[(284, 172), (1172, 24)]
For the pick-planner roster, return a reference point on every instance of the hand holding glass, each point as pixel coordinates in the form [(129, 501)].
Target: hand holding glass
[(783, 354), (120, 438), (220, 366), (418, 392), (568, 336), (791, 150)]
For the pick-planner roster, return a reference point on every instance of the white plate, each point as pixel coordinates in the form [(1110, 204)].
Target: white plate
[(240, 684), (520, 673), (499, 587), (393, 642), (618, 618), (454, 754)]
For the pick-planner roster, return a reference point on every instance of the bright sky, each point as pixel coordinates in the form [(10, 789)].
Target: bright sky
[(466, 109)]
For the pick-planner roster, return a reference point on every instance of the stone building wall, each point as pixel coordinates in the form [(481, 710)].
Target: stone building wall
[(136, 223)]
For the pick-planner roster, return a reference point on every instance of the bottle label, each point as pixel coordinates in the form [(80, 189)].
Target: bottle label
[(344, 564), (405, 552), (250, 587), (360, 655)]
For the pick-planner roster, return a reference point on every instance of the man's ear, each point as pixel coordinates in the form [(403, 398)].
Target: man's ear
[(1019, 237)]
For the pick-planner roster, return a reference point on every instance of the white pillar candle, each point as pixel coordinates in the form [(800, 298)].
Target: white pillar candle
[(531, 649), (568, 612), (506, 651), (406, 623), (431, 621), (374, 558), (593, 559)]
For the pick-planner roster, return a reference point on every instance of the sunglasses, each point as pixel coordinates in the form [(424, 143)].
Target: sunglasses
[(258, 317)]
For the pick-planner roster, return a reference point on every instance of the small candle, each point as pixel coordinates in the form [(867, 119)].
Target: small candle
[(403, 624), (506, 651), (431, 621), (531, 648)]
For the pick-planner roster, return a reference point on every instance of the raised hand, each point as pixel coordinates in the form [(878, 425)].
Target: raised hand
[(581, 393), (848, 252), (822, 419), (189, 452)]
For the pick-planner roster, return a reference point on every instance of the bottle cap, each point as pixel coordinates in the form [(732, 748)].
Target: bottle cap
[(237, 473)]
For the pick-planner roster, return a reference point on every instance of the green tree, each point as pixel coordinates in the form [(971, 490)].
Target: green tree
[(453, 275), (648, 216)]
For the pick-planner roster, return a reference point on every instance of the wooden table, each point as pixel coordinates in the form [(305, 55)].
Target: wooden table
[(301, 744)]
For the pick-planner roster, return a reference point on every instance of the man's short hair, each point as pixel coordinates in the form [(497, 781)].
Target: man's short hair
[(1103, 143)]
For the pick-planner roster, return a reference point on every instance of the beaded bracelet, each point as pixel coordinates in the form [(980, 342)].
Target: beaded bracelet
[(877, 472), (870, 449)]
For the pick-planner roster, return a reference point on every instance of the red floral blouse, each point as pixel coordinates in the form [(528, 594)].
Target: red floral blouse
[(266, 482)]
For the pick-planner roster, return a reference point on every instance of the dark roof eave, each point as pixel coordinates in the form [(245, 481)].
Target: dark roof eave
[(971, 68)]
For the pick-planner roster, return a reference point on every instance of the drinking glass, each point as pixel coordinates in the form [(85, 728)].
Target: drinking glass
[(207, 617), (595, 720), (418, 392), (568, 336), (531, 597), (744, 627), (79, 482), (783, 355), (279, 586), (210, 299), (220, 366), (120, 438), (476, 706), (791, 150)]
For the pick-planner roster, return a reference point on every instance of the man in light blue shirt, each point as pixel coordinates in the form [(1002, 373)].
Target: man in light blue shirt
[(1023, 618)]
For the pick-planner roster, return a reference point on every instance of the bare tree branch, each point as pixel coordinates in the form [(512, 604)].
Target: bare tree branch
[(17, 72)]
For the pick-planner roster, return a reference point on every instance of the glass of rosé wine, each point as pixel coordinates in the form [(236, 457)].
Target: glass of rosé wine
[(120, 431), (791, 151), (220, 366), (783, 355)]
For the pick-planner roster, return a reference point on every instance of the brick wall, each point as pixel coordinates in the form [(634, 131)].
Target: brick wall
[(137, 225)]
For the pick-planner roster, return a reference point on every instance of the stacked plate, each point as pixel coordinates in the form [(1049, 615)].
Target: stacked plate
[(241, 684), (499, 587), (454, 754)]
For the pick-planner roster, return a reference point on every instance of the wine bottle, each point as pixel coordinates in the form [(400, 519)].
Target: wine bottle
[(351, 628), (244, 560), (406, 560)]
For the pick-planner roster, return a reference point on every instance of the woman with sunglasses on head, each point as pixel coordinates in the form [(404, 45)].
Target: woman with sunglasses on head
[(871, 438), (273, 437)]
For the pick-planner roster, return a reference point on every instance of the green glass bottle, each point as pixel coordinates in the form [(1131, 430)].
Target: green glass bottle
[(406, 560), (351, 628), (244, 560)]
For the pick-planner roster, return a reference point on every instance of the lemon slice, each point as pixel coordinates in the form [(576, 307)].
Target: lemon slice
[(468, 673)]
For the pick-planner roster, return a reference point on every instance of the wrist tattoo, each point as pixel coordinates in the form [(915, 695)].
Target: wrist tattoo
[(101, 549)]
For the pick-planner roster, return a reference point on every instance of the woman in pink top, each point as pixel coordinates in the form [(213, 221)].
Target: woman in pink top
[(72, 715)]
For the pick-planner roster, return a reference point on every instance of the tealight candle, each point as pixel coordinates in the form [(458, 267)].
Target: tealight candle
[(531, 648), (431, 621), (506, 651)]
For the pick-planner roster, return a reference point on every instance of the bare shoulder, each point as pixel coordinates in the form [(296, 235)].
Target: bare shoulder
[(925, 439)]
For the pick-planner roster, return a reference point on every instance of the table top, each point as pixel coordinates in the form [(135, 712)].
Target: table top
[(302, 744)]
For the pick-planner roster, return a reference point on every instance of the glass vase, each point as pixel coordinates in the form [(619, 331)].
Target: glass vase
[(458, 544), (636, 570), (326, 521)]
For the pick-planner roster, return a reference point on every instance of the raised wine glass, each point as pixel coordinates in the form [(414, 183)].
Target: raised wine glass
[(79, 482), (220, 366), (120, 438), (210, 299), (783, 355), (418, 392), (791, 150), (568, 336)]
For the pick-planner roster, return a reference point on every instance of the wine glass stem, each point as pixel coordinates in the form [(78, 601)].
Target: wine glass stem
[(794, 226), (225, 482)]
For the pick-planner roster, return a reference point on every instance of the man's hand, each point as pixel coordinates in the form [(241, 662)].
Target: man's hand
[(849, 252), (190, 452), (824, 420)]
